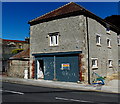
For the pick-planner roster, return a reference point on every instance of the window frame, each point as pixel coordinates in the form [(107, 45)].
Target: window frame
[(98, 39), (108, 31), (109, 43), (54, 39), (110, 63), (96, 63), (119, 62), (118, 40)]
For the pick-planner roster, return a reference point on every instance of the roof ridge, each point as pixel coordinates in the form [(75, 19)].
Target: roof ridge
[(13, 40), (55, 10)]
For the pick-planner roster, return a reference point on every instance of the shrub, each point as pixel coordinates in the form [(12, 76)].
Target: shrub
[(15, 51)]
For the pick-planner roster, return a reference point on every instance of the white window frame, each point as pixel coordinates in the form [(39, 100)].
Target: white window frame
[(54, 39), (95, 64), (110, 63), (108, 43), (98, 40), (108, 30), (118, 40)]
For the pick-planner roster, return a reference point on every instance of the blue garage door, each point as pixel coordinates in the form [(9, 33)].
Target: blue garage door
[(60, 66), (67, 68), (48, 68)]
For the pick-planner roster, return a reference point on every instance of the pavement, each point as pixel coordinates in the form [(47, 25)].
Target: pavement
[(64, 85)]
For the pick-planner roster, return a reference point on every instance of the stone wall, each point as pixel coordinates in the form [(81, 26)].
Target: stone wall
[(17, 67)]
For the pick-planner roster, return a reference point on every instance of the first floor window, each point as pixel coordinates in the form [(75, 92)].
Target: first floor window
[(110, 63), (53, 37), (98, 40), (109, 43), (118, 40), (108, 30), (94, 63)]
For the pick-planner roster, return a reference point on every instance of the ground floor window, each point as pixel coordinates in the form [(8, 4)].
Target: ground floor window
[(94, 63), (118, 62)]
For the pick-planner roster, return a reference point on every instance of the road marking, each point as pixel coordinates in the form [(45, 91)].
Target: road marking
[(15, 92), (58, 98)]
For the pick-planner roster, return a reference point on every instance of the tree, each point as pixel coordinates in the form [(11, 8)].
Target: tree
[(15, 51)]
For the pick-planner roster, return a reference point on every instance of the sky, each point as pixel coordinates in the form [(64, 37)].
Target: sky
[(15, 15)]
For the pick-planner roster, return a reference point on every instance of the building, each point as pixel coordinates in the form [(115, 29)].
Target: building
[(19, 65), (8, 46), (72, 44), (119, 51), (0, 56)]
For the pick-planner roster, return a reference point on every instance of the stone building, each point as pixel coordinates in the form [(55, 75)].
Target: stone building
[(119, 51), (72, 44), (8, 46), (19, 65), (0, 56)]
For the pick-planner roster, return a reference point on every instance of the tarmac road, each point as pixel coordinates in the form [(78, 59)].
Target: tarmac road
[(12, 92)]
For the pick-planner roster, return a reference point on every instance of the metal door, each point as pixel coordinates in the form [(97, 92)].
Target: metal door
[(48, 68), (67, 68)]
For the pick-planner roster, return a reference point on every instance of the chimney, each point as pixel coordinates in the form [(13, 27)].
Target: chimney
[(27, 39)]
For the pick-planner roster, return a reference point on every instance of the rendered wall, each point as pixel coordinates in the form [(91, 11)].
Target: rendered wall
[(72, 38), (102, 52)]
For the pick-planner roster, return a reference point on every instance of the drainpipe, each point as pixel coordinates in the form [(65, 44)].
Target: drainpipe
[(88, 50), (36, 69), (54, 68)]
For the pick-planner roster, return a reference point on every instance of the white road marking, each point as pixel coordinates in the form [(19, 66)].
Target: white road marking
[(15, 92), (58, 98)]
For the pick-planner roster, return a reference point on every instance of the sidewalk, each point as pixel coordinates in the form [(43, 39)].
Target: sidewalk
[(65, 85)]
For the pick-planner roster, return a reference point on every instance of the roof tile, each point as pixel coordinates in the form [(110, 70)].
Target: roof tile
[(68, 8)]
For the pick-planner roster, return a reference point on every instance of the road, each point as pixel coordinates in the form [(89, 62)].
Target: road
[(27, 93)]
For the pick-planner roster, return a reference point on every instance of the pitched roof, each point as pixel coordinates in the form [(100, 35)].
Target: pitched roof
[(22, 55), (67, 10)]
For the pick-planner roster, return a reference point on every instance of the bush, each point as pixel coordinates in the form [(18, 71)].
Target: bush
[(15, 51)]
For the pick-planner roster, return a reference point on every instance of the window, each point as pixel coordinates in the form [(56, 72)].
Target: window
[(94, 63), (108, 43), (98, 40), (108, 30), (118, 62), (110, 63), (118, 40), (20, 46), (53, 37)]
